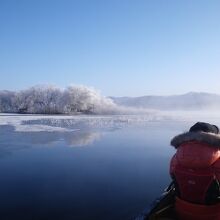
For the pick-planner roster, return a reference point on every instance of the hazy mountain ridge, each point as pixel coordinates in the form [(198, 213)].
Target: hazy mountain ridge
[(188, 101)]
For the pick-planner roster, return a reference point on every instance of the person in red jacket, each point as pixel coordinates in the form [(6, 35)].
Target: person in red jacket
[(195, 170)]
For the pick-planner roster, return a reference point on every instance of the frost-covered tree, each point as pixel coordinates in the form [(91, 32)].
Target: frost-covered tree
[(7, 101), (39, 99), (87, 100), (52, 100)]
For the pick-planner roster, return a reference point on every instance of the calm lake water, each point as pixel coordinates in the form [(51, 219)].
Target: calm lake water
[(86, 174)]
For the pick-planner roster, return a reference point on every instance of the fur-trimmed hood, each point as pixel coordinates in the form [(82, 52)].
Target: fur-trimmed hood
[(208, 138)]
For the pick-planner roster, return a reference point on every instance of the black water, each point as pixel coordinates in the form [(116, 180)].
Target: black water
[(105, 174)]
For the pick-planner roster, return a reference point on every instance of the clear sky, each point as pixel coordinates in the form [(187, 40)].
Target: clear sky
[(120, 47)]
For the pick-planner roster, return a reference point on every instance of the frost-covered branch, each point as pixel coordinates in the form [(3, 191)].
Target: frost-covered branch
[(53, 100)]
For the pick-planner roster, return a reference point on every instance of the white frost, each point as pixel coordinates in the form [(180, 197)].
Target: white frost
[(62, 123)]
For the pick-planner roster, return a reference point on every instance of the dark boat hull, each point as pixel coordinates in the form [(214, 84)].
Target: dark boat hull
[(166, 207), (162, 208)]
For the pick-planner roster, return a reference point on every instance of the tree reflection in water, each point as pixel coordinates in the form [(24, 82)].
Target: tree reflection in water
[(12, 140)]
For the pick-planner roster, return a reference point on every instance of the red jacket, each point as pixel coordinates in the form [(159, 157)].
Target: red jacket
[(196, 168)]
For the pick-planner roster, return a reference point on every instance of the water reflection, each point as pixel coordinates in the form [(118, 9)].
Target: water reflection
[(81, 138), (12, 140), (114, 179)]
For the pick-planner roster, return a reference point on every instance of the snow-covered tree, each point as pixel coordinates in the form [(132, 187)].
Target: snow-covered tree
[(52, 100), (39, 99), (7, 101)]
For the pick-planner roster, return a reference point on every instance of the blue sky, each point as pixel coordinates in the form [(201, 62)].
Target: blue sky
[(120, 47)]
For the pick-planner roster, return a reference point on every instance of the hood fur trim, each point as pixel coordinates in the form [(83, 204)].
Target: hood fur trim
[(208, 138)]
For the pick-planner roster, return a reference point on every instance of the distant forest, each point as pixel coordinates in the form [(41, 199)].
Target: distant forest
[(53, 100)]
